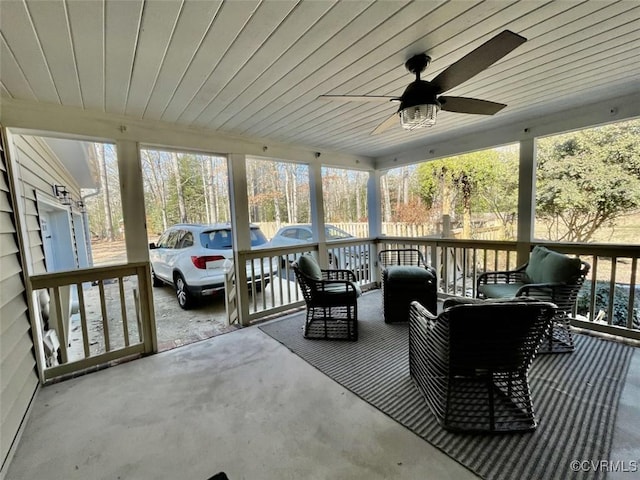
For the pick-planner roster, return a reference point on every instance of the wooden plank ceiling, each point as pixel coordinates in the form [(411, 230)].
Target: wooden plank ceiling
[(255, 68)]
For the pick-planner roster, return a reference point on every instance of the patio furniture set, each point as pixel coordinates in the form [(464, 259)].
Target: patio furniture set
[(470, 361)]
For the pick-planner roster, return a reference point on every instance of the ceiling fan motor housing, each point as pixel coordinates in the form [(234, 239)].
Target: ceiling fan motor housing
[(419, 92)]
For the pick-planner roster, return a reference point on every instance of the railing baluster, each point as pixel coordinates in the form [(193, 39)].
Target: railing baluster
[(612, 290), (105, 317), (62, 333), (594, 281), (264, 284), (464, 271), (632, 292), (123, 309), (83, 321)]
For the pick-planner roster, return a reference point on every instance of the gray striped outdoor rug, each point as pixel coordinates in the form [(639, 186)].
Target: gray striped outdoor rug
[(575, 396)]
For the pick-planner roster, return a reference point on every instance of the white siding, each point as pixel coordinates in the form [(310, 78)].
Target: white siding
[(18, 377), (40, 169)]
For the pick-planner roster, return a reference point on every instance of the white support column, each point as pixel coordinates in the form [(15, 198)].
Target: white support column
[(238, 196), (237, 168), (135, 230), (526, 198), (132, 196), (374, 204), (317, 212)]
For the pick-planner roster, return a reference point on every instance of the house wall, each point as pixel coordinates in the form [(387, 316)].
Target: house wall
[(18, 376), (37, 169)]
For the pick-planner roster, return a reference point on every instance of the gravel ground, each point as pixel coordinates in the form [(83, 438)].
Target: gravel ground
[(174, 326)]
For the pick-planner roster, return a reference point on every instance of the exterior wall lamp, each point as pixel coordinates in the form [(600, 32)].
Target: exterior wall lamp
[(62, 194)]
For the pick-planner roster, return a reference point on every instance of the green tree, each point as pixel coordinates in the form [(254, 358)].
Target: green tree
[(483, 181), (588, 179)]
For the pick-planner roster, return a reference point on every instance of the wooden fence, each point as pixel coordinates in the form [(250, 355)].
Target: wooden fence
[(400, 229)]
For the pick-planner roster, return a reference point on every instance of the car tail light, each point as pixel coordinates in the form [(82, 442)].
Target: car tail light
[(201, 262)]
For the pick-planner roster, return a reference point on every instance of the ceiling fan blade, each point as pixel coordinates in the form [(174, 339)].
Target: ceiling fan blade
[(387, 124), (470, 105), (478, 60), (358, 98)]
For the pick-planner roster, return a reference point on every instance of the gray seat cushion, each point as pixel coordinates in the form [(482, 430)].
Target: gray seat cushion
[(547, 266), (455, 301), (308, 265), (339, 289), (406, 273), (500, 290)]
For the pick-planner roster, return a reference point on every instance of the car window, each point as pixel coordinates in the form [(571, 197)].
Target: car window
[(289, 233), (334, 233), (222, 239), (216, 239), (172, 239), (257, 237), (305, 235), (186, 240), (162, 241)]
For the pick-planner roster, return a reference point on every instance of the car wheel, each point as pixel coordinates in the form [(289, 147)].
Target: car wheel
[(185, 300), (156, 281), (262, 283)]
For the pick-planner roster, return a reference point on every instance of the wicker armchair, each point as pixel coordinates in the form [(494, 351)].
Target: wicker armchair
[(471, 362), (405, 278), (332, 300), (401, 256), (548, 276)]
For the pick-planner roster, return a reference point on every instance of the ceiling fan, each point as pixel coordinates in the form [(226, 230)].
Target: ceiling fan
[(421, 100)]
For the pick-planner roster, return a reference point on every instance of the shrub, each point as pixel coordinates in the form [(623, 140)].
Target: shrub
[(620, 302)]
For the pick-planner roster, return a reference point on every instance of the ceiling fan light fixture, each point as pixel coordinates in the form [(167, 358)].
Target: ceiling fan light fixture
[(419, 116)]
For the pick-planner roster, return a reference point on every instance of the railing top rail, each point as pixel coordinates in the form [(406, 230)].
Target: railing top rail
[(451, 242), (275, 251), (67, 277), (604, 249)]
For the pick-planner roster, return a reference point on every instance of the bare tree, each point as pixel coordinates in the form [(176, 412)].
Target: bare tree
[(386, 197), (181, 205), (104, 186)]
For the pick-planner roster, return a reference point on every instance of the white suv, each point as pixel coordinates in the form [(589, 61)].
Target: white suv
[(193, 257)]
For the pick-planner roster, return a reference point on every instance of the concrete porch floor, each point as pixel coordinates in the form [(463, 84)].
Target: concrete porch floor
[(244, 404)]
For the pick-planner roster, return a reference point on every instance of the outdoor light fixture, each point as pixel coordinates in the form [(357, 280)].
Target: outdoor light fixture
[(62, 194), (80, 205), (419, 116), (418, 104)]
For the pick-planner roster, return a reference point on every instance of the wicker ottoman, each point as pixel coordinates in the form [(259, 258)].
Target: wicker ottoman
[(403, 284)]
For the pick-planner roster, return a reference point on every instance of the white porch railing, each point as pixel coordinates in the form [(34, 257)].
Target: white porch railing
[(100, 315), (611, 283), (280, 290)]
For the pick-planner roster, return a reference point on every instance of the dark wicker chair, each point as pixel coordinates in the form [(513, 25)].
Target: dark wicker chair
[(471, 363), (548, 276), (405, 278), (332, 300), (401, 256)]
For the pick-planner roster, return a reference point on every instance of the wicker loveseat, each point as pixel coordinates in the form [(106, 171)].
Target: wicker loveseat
[(548, 276), (332, 300)]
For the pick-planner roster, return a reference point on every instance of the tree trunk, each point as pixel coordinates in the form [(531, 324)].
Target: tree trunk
[(182, 210), (405, 185), (386, 197), (212, 214), (275, 178), (206, 186), (106, 199)]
